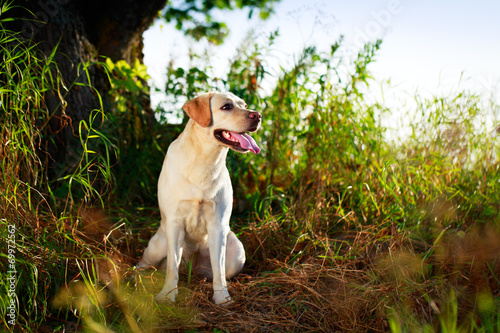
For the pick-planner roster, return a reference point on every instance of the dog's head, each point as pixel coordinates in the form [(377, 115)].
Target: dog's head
[(227, 118)]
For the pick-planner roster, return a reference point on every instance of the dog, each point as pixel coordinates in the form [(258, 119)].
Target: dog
[(195, 194)]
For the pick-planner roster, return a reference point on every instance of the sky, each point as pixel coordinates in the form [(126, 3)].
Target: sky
[(428, 46)]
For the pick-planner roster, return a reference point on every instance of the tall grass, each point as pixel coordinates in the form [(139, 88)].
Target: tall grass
[(25, 78), (333, 185), (345, 228), (38, 214)]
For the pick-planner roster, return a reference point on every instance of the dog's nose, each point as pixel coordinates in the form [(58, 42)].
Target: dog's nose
[(255, 115)]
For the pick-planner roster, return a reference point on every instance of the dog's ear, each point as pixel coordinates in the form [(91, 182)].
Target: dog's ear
[(198, 109)]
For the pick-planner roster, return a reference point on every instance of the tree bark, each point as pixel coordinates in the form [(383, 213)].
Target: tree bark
[(83, 31)]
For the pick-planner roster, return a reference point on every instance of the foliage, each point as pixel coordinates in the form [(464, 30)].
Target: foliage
[(24, 78), (345, 228), (196, 18), (330, 184), (130, 80), (39, 229), (137, 136)]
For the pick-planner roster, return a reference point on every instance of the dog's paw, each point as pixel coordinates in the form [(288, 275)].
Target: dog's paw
[(166, 295), (141, 265), (222, 297)]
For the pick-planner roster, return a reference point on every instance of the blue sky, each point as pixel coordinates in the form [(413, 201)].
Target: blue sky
[(427, 45)]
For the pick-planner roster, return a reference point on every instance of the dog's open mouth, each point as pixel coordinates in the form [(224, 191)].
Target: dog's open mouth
[(241, 142)]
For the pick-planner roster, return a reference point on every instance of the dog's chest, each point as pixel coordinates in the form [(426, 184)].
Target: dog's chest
[(198, 214)]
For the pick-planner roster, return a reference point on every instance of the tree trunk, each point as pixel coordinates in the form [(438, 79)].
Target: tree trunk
[(83, 30)]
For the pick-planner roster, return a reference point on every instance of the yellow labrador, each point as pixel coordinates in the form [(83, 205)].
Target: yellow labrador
[(195, 194)]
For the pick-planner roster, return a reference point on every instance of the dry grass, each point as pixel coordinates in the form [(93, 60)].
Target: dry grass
[(353, 296), (391, 280)]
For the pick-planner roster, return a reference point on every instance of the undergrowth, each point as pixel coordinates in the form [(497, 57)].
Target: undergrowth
[(344, 228)]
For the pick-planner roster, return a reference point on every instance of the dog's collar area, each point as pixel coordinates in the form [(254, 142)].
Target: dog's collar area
[(240, 142)]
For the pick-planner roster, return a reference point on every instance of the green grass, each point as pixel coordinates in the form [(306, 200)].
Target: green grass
[(345, 227)]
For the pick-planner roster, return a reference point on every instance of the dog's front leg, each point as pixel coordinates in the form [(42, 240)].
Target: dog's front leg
[(175, 242), (217, 246)]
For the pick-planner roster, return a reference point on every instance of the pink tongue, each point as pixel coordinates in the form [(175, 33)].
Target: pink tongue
[(246, 142)]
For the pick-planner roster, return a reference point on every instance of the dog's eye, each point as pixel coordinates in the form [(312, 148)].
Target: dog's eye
[(227, 106)]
